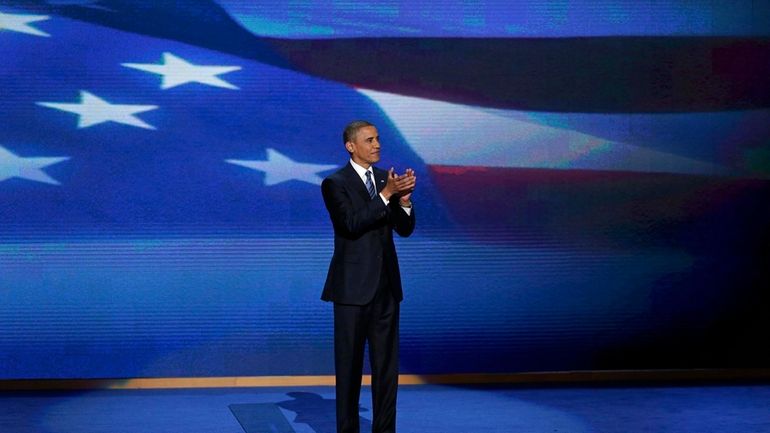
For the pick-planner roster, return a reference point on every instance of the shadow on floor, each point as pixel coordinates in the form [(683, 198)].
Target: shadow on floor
[(310, 408)]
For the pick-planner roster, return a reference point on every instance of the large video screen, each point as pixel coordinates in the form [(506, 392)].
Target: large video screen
[(593, 182)]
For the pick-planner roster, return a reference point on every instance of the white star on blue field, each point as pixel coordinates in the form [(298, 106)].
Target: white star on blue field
[(177, 71), (280, 168), (20, 23), (93, 110), (12, 165)]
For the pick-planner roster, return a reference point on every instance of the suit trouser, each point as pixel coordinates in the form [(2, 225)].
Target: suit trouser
[(354, 325)]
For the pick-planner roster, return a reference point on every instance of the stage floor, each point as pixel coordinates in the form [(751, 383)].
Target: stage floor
[(421, 409)]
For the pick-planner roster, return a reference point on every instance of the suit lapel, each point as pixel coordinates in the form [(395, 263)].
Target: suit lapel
[(356, 183), (380, 178)]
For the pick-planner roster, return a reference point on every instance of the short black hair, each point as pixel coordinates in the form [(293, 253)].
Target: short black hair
[(352, 129)]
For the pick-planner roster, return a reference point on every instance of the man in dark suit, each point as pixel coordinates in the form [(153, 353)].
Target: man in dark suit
[(366, 204)]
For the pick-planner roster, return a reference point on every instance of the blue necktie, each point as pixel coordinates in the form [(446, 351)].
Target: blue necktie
[(370, 184)]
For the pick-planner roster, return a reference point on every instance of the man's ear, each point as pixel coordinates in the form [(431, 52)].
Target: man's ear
[(349, 146)]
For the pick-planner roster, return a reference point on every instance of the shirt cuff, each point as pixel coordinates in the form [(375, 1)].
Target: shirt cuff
[(408, 210)]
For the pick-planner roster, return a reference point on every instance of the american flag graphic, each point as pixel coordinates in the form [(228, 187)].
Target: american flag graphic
[(588, 174)]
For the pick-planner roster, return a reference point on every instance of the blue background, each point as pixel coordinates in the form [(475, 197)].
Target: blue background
[(154, 257)]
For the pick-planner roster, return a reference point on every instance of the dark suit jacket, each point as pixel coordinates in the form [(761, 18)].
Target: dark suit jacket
[(363, 237)]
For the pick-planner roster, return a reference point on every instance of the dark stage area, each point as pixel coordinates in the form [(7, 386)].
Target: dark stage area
[(734, 408)]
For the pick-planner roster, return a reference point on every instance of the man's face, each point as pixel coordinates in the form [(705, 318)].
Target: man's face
[(365, 147)]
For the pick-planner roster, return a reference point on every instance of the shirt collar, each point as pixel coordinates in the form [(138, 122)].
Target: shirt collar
[(361, 171)]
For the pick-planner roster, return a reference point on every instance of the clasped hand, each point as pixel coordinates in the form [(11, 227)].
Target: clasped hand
[(400, 185)]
